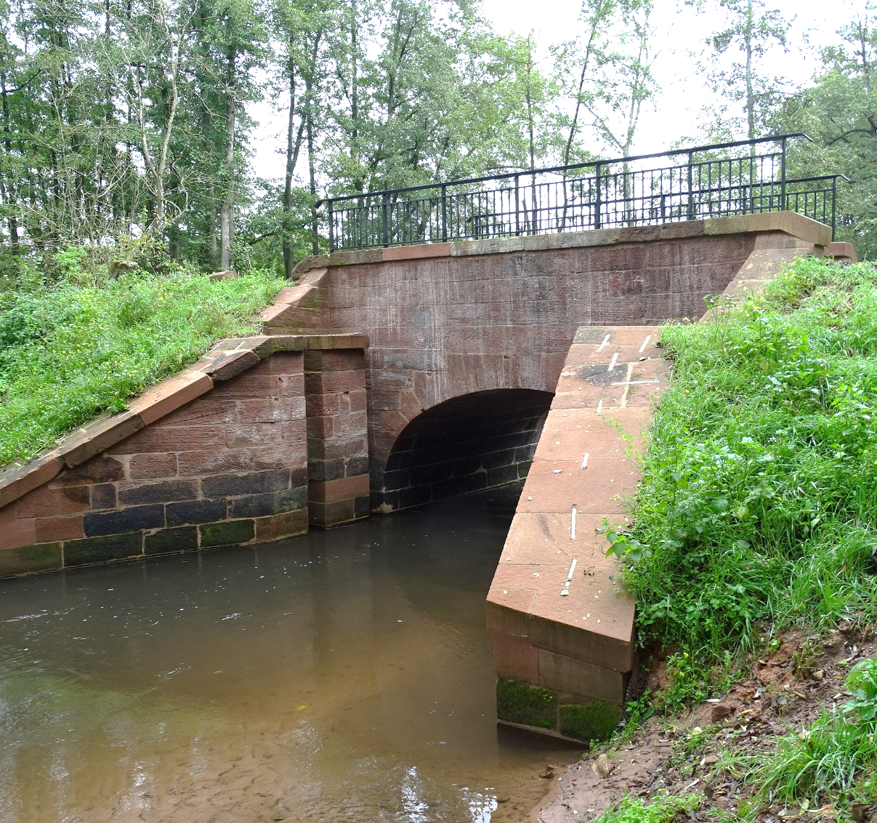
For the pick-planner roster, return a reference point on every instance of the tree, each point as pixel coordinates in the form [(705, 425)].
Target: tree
[(750, 32), (839, 110), (612, 78)]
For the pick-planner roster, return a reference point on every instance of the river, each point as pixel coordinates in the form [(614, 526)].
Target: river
[(342, 676)]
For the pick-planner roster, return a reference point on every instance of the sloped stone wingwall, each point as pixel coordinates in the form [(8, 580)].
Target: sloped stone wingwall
[(216, 456)]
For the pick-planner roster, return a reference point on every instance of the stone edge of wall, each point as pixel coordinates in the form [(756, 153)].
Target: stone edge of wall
[(790, 223), (228, 358)]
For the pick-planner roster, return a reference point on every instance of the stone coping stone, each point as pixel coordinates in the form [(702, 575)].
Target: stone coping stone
[(585, 459), (228, 358), (791, 223)]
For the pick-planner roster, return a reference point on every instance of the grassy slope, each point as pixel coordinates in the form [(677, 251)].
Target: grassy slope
[(758, 512), (759, 503), (68, 354)]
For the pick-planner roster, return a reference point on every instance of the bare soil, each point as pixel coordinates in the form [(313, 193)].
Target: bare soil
[(784, 690)]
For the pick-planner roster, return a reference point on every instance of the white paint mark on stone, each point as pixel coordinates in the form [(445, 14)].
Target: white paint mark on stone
[(572, 526), (605, 341), (600, 406), (613, 361), (585, 460), (642, 348)]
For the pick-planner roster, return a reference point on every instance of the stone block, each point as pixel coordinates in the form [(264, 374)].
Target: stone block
[(99, 436), (137, 492), (206, 411), (513, 656), (262, 505), (46, 502), (52, 529), (29, 559), (160, 438), (103, 549), (171, 541), (233, 485), (344, 488), (332, 514), (231, 365), (228, 533), (18, 481), (169, 396), (15, 532), (103, 496), (151, 466), (195, 511), (281, 526), (566, 674), (132, 519), (244, 435), (100, 469)]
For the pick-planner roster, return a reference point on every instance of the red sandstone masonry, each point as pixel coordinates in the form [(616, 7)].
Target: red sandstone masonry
[(559, 619), (214, 456), (451, 319)]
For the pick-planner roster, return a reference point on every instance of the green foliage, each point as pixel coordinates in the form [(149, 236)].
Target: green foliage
[(757, 508), (835, 760), (518, 702), (662, 809), (73, 352)]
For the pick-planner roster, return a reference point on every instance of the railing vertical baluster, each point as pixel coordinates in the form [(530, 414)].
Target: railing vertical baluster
[(517, 205), (331, 216), (385, 203), (833, 205), (599, 204), (690, 186), (444, 213), (783, 174), (535, 229)]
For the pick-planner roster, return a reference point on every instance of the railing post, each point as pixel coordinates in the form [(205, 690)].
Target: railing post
[(598, 206), (535, 227), (783, 174), (331, 215), (444, 213), (384, 220), (690, 178), (833, 205), (517, 205)]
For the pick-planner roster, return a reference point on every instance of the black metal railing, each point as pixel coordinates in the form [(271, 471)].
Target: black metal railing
[(743, 177)]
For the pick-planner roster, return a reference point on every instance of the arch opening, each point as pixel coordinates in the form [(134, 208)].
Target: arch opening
[(478, 441)]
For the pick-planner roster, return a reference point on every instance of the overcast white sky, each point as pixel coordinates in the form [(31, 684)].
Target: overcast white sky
[(680, 67)]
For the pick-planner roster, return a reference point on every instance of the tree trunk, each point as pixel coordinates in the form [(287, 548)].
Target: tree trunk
[(226, 214)]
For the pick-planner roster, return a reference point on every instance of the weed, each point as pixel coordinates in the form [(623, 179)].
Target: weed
[(662, 809), (834, 761)]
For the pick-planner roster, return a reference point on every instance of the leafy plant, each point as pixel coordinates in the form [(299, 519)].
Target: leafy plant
[(662, 809)]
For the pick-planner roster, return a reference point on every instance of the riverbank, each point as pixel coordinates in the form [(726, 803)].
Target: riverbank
[(707, 755)]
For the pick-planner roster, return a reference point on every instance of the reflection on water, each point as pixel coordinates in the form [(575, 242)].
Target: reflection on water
[(342, 676)]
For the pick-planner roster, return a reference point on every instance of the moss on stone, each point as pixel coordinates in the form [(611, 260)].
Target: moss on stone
[(593, 721), (518, 702)]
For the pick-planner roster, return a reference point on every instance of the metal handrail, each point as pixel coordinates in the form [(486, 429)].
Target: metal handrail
[(602, 196)]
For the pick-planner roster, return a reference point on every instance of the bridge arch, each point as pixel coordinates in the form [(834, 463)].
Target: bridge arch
[(476, 441)]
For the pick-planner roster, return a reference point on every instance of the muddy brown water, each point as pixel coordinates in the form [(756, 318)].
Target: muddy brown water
[(342, 676)]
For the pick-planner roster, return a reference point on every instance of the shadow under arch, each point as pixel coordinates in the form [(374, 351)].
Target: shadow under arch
[(477, 441)]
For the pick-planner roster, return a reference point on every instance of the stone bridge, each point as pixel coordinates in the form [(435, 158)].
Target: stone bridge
[(385, 379)]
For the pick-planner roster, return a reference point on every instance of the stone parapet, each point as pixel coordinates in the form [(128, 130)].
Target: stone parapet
[(562, 624)]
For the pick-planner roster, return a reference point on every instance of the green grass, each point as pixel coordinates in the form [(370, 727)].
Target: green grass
[(833, 762), (758, 509), (662, 809), (70, 353)]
